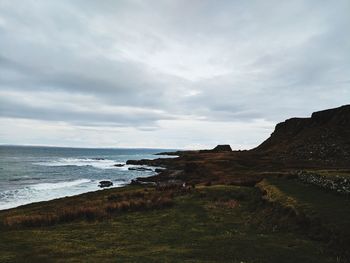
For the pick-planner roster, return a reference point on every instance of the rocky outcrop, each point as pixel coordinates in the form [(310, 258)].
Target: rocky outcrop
[(219, 148), (222, 148), (160, 162), (104, 184), (140, 169), (325, 136), (177, 153)]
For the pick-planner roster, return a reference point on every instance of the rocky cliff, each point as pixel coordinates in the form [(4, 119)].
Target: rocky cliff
[(325, 136)]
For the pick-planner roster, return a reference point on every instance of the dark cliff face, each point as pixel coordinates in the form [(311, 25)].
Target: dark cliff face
[(325, 136)]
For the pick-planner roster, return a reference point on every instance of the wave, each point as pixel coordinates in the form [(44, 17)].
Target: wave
[(46, 191), (25, 178), (95, 162), (50, 186), (99, 163)]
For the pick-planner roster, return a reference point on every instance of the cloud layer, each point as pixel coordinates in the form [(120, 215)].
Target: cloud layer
[(167, 73)]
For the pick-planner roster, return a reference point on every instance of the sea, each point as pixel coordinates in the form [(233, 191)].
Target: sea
[(31, 174)]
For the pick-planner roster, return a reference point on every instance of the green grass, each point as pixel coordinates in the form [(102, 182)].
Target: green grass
[(323, 215), (199, 227), (332, 208)]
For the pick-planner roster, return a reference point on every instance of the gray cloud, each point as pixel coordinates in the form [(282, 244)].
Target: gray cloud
[(135, 64)]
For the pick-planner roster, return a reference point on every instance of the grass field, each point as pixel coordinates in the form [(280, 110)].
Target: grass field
[(208, 224), (321, 214)]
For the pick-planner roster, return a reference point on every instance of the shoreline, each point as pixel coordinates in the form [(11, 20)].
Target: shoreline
[(73, 175), (193, 175), (186, 182), (183, 167), (146, 181)]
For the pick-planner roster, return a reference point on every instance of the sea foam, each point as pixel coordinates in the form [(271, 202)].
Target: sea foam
[(48, 186), (45, 191), (97, 163)]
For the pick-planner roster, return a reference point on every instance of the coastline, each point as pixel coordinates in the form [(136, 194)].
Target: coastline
[(289, 196), (187, 186), (35, 174)]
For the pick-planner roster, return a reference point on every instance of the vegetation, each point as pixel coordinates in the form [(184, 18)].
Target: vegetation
[(219, 223), (322, 215), (103, 207), (275, 196)]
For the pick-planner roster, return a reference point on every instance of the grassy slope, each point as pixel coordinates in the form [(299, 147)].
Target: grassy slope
[(332, 208), (200, 227), (323, 215)]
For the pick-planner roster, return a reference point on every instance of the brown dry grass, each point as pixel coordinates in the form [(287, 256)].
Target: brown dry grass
[(96, 210)]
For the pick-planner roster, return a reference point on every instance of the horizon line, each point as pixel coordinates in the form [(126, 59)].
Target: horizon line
[(77, 147)]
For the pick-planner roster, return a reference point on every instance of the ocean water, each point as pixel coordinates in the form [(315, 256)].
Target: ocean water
[(33, 174)]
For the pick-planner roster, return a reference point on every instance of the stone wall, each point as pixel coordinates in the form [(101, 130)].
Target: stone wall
[(337, 183)]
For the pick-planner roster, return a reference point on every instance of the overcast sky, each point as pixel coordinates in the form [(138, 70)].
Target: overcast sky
[(167, 74)]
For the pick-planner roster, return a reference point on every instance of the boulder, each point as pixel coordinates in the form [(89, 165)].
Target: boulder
[(139, 181), (104, 184), (135, 182)]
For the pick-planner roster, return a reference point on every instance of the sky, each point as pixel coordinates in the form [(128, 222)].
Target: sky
[(180, 74)]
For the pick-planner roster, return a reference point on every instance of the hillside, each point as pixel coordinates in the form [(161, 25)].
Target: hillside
[(325, 136)]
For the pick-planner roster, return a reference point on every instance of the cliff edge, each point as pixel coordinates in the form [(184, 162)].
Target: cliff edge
[(325, 136)]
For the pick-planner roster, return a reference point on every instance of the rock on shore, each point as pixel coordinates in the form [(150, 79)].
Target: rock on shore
[(104, 184)]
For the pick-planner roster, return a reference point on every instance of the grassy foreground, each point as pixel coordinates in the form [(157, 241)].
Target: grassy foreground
[(206, 224)]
